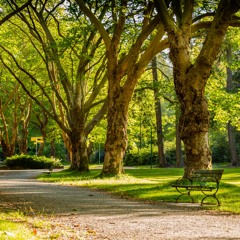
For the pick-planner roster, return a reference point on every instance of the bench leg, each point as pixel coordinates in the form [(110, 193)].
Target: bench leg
[(213, 196), (185, 194)]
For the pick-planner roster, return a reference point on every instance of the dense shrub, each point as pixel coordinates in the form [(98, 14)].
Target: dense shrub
[(32, 162), (136, 159), (94, 158), (146, 158)]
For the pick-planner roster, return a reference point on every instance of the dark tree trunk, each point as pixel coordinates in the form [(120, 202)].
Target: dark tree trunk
[(8, 150), (53, 149), (230, 128), (158, 114), (179, 154), (232, 145), (78, 141)]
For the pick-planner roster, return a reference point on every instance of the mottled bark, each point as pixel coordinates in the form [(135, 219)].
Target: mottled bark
[(116, 142), (78, 140)]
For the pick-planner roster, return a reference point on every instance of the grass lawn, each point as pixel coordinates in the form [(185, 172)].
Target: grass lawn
[(152, 185), (14, 225)]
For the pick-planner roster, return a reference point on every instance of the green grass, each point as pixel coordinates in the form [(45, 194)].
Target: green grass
[(14, 225), (152, 185)]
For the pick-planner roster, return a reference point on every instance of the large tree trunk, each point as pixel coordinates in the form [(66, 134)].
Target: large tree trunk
[(194, 126), (194, 117), (158, 114), (116, 142), (78, 140)]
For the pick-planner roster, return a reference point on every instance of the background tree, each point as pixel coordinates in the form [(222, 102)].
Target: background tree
[(68, 51), (14, 109)]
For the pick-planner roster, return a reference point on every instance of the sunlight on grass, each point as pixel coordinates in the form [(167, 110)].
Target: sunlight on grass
[(151, 184), (13, 225)]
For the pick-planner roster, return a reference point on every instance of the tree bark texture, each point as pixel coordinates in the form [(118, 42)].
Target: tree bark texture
[(116, 142), (78, 139)]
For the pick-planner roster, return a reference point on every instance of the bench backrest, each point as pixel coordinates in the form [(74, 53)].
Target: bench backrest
[(207, 175)]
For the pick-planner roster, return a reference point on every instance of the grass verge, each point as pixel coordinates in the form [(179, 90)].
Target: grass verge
[(14, 225), (151, 185)]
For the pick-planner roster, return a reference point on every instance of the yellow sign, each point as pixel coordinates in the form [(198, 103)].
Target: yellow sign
[(37, 139)]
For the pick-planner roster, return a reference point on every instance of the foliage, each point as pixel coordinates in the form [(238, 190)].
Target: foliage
[(32, 162), (145, 157), (152, 185)]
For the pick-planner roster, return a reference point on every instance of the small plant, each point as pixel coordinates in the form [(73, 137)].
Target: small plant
[(32, 162)]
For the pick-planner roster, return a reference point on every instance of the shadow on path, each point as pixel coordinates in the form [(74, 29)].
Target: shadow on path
[(112, 217)]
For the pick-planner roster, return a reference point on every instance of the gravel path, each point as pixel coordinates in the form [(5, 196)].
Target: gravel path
[(80, 213)]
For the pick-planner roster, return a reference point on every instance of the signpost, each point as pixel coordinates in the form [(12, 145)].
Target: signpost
[(37, 140)]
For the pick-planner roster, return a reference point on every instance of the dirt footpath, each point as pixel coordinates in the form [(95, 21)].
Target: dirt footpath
[(80, 213)]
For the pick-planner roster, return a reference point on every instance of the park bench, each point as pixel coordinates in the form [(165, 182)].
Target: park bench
[(206, 181), (49, 171)]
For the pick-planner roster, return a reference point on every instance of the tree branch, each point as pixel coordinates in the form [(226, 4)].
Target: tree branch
[(14, 12)]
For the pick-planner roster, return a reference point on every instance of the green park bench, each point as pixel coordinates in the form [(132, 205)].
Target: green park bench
[(206, 181), (49, 171)]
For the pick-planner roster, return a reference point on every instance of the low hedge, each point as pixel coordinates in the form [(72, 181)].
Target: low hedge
[(32, 162)]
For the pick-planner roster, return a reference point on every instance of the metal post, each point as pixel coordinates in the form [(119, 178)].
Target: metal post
[(151, 144), (36, 148)]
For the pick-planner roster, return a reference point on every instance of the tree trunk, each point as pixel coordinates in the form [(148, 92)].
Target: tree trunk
[(7, 149), (230, 128), (53, 149), (78, 140), (23, 139), (232, 145), (194, 126), (40, 148), (158, 113), (179, 154), (194, 116), (79, 156), (116, 142)]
